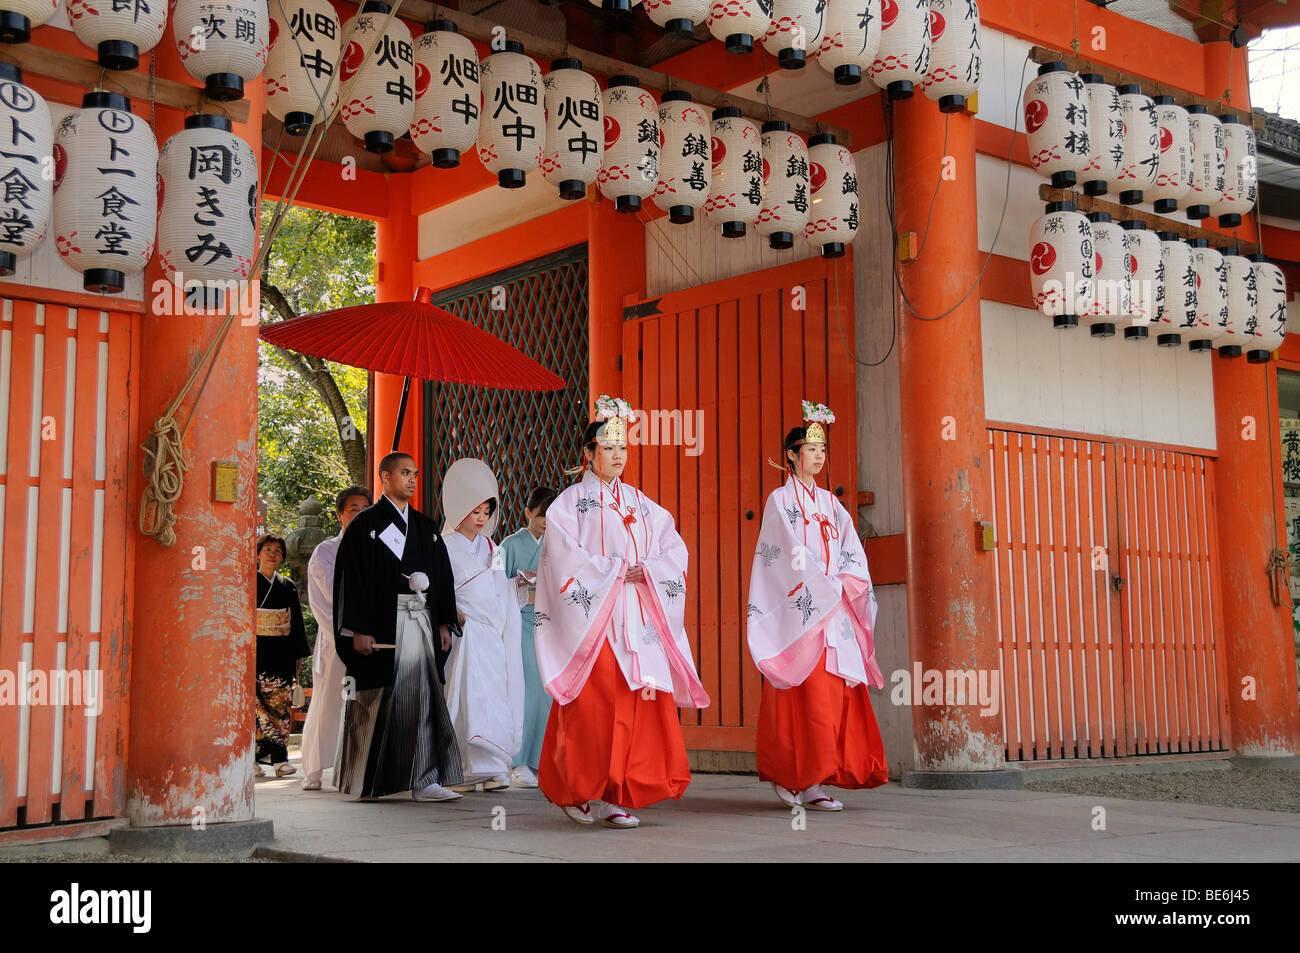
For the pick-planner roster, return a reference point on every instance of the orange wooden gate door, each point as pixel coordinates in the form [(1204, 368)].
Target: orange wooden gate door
[(738, 355), (65, 561), (1108, 611)]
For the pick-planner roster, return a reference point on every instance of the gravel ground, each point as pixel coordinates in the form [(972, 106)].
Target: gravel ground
[(1261, 789)]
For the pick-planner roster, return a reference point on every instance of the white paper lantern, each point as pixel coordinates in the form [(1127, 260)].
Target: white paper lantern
[(1207, 173), (105, 191), (1112, 271), (224, 43), (850, 40), (1141, 164), (445, 121), (512, 130), (686, 159), (28, 195), (736, 196), (1175, 156), (1211, 294), (738, 22), (1061, 263), (575, 128), (786, 185), (1178, 315), (799, 26), (677, 18), (1240, 174), (1056, 124), (1105, 134), (904, 54), (616, 6), (1243, 299), (1146, 279), (833, 218), (301, 82), (954, 74), (377, 77), (629, 169), (208, 185), (20, 17), (1266, 333), (118, 30)]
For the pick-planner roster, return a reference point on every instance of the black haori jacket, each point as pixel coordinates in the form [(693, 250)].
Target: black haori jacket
[(368, 578)]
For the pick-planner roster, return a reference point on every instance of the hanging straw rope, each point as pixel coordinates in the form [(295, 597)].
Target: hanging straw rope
[(166, 461)]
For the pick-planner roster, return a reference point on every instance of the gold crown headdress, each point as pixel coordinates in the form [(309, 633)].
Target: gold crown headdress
[(816, 417), (614, 411)]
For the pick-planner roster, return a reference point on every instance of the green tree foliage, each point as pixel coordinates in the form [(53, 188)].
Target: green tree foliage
[(311, 413)]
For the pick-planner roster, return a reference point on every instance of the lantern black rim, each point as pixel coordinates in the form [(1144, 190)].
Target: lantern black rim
[(1165, 206), (833, 250), (379, 140), (571, 189), (740, 43), (952, 104), (14, 27), (208, 121), (1230, 351), (680, 28), (298, 123), (1063, 322), (225, 87), (102, 99), (441, 26), (727, 112), (775, 125), (566, 62), (900, 89), (1198, 212), (374, 6), (676, 96), (821, 139), (1130, 197), (733, 229), (1103, 330), (1258, 357), (104, 281), (627, 203), (1094, 187), (780, 240), (8, 262), (790, 58), (616, 6), (445, 158), (681, 214), (848, 74), (1203, 344), (1135, 334), (11, 72), (1064, 179), (118, 55), (511, 178), (1169, 340), (622, 79), (1232, 220)]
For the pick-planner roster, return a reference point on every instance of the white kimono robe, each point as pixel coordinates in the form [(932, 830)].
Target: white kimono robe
[(810, 591), (595, 532), (320, 733), (485, 674)]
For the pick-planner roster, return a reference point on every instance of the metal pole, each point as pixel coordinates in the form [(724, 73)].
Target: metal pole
[(401, 413)]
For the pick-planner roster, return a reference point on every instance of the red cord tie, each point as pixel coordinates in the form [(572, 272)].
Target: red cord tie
[(829, 532)]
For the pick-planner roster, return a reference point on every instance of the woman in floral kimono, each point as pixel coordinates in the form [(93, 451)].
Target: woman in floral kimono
[(611, 644), (485, 675), (281, 642), (811, 623)]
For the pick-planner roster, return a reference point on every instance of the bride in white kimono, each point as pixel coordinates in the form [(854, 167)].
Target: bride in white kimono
[(485, 677)]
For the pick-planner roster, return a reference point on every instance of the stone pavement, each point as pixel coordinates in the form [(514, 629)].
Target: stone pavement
[(737, 818)]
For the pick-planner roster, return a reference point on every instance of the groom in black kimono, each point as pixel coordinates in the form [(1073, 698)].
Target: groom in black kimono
[(394, 609)]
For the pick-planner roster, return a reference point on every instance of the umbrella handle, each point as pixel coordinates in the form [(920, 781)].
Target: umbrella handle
[(401, 413)]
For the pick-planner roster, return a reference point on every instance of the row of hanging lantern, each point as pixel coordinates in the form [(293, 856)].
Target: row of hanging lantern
[(1144, 149), (1113, 276), (109, 179)]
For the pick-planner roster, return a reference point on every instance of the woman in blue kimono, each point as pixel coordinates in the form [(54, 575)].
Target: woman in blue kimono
[(521, 550)]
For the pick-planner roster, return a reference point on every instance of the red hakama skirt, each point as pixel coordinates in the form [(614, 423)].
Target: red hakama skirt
[(612, 744), (820, 732)]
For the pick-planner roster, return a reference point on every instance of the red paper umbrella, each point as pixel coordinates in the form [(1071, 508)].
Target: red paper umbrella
[(415, 339)]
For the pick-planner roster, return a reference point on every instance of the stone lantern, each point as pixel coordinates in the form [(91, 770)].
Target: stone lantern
[(302, 540)]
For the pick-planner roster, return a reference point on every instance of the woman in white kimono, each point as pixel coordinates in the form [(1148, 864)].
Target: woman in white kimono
[(811, 623), (611, 643), (485, 679)]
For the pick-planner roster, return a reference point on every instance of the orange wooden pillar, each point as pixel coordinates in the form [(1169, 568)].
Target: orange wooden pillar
[(946, 485), (396, 246), (189, 757), (1257, 635), (615, 268)]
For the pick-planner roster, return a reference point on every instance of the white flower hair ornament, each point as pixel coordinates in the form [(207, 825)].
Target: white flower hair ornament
[(615, 411), (816, 416)]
